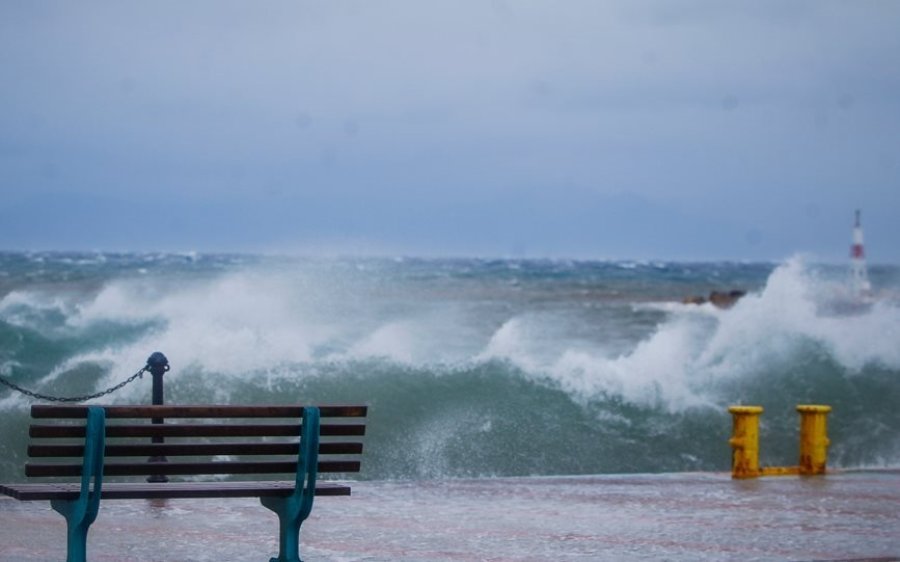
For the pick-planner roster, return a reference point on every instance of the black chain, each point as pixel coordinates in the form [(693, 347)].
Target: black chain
[(84, 398)]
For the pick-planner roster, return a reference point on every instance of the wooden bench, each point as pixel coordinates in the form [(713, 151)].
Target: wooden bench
[(251, 446)]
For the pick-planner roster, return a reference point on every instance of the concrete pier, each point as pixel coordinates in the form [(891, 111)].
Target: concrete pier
[(690, 516)]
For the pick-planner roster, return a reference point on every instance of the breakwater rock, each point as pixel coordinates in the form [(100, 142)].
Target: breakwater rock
[(720, 299)]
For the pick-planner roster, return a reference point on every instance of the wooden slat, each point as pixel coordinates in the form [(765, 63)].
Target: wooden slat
[(171, 430), (187, 468), (193, 449), (196, 430), (142, 490), (45, 411)]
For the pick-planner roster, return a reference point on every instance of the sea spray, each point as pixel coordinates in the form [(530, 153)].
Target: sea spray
[(471, 367)]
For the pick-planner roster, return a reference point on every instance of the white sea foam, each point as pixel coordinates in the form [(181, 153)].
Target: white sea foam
[(394, 341), (792, 308), (28, 308), (268, 321), (265, 322), (656, 371), (694, 347), (234, 324)]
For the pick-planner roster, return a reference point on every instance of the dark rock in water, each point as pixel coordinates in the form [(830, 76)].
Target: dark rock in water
[(725, 300), (720, 299)]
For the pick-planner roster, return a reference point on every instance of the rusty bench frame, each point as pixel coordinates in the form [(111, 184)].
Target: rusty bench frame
[(291, 500)]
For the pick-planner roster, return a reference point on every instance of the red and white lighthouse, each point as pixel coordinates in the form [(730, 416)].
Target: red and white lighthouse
[(859, 276)]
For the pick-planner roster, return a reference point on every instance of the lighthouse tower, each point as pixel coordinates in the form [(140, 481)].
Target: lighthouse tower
[(859, 278)]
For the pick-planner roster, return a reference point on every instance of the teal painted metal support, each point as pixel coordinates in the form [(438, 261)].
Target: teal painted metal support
[(294, 509), (81, 512)]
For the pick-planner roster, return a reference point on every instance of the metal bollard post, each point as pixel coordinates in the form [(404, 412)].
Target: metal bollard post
[(745, 441), (158, 365), (814, 440)]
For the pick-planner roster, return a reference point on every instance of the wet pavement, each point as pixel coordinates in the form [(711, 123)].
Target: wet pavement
[(690, 516)]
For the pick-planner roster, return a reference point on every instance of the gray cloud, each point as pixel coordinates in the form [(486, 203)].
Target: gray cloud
[(362, 116)]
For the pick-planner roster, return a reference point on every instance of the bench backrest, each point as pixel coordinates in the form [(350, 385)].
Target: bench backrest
[(195, 440)]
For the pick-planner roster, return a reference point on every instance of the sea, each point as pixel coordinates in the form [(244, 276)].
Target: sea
[(472, 368)]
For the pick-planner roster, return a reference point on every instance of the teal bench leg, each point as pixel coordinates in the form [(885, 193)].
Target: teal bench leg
[(78, 521), (81, 512), (293, 510), (288, 528)]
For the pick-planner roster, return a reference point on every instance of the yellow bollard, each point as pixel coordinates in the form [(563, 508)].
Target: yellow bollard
[(745, 441), (813, 438)]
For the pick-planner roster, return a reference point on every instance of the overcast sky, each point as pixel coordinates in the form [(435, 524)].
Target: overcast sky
[(563, 128)]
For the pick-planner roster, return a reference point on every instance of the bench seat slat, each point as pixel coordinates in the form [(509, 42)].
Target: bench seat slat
[(185, 468), (140, 490), (196, 430), (195, 411), (193, 449)]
